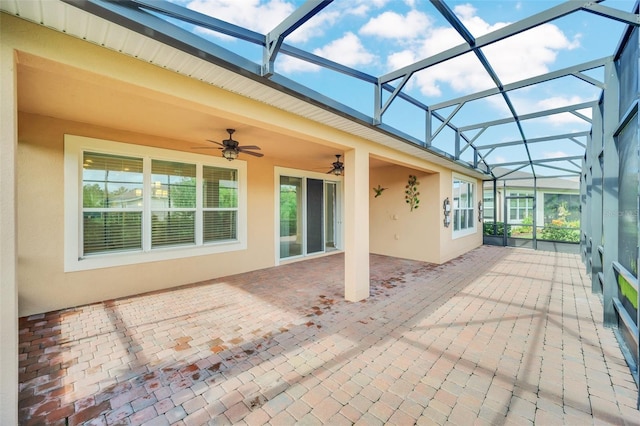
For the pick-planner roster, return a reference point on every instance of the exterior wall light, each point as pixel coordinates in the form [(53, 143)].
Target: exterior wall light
[(480, 211), (446, 207)]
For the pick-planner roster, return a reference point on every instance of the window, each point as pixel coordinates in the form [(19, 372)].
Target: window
[(136, 204), (520, 208), (173, 203), (111, 203), (220, 189), (463, 207), (488, 206)]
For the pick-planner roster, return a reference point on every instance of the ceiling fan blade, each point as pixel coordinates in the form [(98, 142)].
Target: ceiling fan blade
[(255, 154), (209, 140), (249, 147), (205, 147)]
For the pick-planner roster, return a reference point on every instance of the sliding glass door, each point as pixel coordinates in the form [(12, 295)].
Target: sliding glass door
[(308, 216), (291, 237)]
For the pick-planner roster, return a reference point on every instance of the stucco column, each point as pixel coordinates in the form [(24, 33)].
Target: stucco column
[(356, 225), (8, 256)]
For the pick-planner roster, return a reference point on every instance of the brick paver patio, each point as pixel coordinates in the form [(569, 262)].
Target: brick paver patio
[(497, 336)]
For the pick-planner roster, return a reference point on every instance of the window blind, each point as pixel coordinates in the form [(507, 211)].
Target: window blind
[(220, 204), (112, 231), (172, 228), (112, 202), (220, 225), (220, 187), (173, 203), (116, 202), (173, 184)]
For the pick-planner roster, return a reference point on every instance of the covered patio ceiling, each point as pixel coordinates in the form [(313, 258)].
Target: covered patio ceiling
[(448, 131)]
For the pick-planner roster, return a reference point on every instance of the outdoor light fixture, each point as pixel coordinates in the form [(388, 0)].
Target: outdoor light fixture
[(480, 211), (230, 154), (337, 167), (231, 148), (446, 207)]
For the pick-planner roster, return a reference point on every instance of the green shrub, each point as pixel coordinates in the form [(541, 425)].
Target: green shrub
[(526, 227), (488, 228), (559, 230)]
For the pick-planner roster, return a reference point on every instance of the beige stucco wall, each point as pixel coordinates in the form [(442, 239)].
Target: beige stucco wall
[(43, 283), (395, 229), (451, 247), (419, 234)]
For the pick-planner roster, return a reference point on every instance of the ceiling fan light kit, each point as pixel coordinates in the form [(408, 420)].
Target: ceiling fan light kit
[(230, 154), (338, 166), (231, 149)]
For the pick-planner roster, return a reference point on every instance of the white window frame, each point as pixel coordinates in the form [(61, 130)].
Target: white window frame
[(488, 203), (74, 148), (467, 231), (304, 174), (528, 205)]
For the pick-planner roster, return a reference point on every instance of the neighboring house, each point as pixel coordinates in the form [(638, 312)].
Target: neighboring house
[(554, 198)]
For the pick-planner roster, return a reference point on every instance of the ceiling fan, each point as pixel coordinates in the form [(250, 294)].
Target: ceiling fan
[(338, 167), (230, 148)]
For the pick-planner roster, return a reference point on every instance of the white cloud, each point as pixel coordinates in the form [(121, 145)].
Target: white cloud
[(347, 50), (359, 7), (528, 54), (250, 14), (521, 56), (359, 10), (559, 102), (463, 74), (263, 17), (555, 154), (413, 37), (286, 64), (402, 58), (314, 27), (391, 25)]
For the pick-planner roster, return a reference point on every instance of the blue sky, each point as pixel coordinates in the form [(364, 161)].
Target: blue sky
[(379, 36)]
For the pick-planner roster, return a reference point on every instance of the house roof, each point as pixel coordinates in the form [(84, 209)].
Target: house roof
[(157, 32), (520, 179)]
